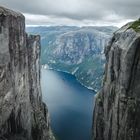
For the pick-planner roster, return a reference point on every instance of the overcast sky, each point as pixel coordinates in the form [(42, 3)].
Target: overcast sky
[(76, 12)]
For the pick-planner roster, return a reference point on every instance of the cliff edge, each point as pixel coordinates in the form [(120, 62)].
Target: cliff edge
[(117, 107), (23, 115)]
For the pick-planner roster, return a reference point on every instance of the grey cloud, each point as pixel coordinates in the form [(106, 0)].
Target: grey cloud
[(96, 10), (74, 9)]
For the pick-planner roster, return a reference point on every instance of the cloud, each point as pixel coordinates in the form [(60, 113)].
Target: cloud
[(33, 20), (76, 11)]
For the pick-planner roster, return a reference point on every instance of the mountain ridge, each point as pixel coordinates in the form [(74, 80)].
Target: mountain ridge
[(70, 49)]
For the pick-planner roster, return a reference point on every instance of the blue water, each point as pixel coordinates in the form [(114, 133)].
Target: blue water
[(70, 105)]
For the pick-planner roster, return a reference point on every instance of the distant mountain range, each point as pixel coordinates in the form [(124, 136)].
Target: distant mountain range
[(77, 50)]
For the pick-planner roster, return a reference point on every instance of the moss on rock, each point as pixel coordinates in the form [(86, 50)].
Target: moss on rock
[(135, 25)]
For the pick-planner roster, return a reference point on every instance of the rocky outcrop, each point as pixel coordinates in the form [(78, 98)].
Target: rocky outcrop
[(117, 107), (23, 115)]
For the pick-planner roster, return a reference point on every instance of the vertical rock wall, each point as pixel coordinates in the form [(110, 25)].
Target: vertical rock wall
[(22, 112), (117, 107)]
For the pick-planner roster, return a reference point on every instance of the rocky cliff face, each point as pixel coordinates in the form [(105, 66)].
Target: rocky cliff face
[(22, 112), (117, 107)]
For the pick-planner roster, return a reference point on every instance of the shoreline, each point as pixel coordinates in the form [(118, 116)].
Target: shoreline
[(48, 68)]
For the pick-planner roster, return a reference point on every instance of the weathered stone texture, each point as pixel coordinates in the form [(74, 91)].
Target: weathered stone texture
[(117, 107), (23, 115)]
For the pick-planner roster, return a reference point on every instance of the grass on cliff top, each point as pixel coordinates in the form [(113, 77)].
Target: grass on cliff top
[(135, 25)]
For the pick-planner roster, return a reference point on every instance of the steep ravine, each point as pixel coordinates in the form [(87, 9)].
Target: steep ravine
[(117, 107), (23, 115)]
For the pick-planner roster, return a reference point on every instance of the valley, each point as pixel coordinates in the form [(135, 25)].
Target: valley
[(76, 50)]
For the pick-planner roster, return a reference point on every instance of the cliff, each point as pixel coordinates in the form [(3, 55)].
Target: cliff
[(23, 115), (117, 107)]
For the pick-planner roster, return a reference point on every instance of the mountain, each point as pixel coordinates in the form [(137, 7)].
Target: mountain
[(77, 50), (23, 115), (117, 107)]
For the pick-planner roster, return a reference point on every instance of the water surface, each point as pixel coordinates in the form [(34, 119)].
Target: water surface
[(70, 105)]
